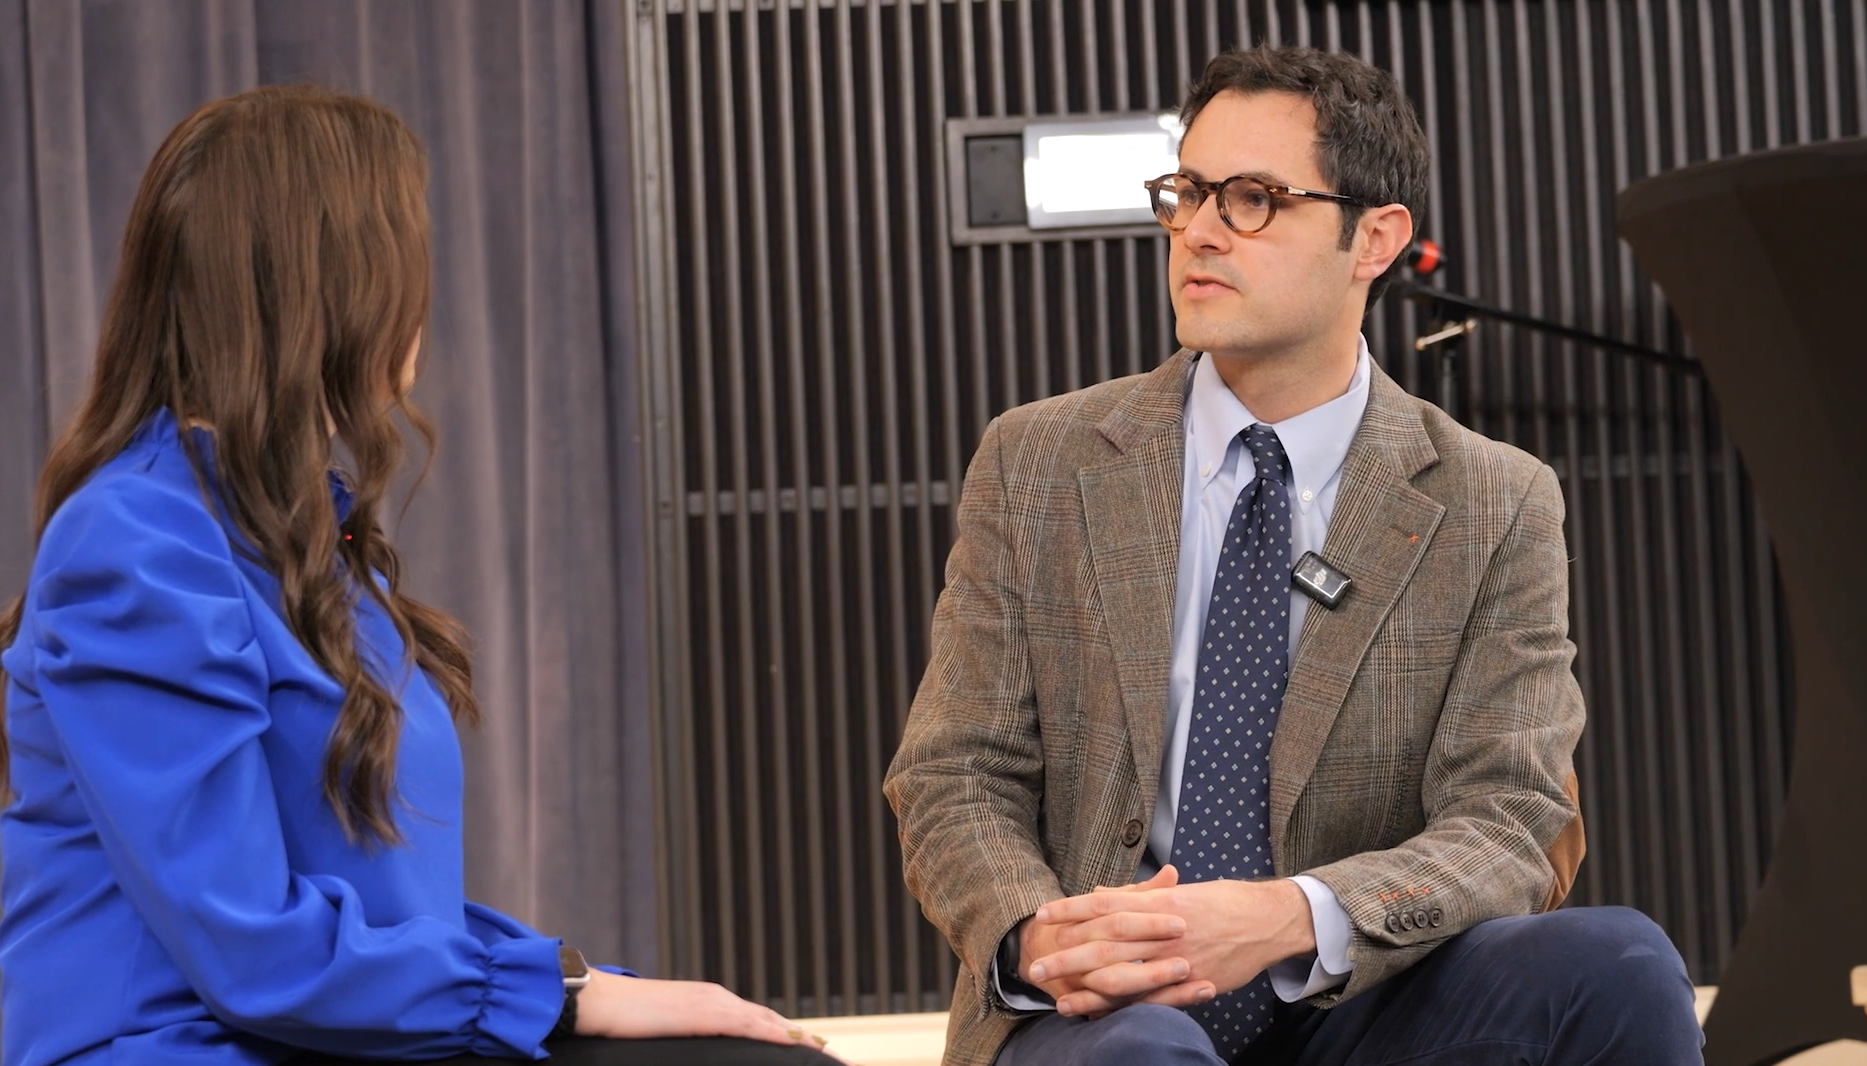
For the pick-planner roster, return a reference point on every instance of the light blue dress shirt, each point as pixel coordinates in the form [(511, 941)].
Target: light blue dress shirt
[(1218, 467)]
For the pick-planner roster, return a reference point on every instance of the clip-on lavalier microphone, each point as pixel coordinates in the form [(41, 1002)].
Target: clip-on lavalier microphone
[(1320, 581)]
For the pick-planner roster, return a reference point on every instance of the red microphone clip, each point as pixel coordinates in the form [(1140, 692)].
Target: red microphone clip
[(1424, 256)]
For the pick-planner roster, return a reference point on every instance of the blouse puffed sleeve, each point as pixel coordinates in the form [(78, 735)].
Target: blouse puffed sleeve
[(156, 688)]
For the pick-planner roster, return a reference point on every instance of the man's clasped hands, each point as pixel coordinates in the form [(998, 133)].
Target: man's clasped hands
[(1160, 941)]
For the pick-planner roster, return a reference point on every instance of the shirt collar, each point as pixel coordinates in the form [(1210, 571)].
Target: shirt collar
[(1316, 441), (342, 499), (162, 426)]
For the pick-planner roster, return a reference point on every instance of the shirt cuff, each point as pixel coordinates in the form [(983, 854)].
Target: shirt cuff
[(1012, 990), (1303, 976)]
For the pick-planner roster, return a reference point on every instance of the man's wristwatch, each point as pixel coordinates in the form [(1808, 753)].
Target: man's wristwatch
[(1009, 952), (576, 975)]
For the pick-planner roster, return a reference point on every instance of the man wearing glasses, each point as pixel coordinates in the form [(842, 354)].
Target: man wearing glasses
[(1169, 805)]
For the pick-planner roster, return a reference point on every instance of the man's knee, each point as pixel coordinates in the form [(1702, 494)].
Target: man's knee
[(1607, 928), (1605, 938), (1595, 983), (1601, 953), (1150, 1033), (1632, 953), (1140, 1035), (1165, 1023)]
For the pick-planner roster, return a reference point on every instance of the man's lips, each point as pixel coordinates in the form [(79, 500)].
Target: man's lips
[(1199, 284)]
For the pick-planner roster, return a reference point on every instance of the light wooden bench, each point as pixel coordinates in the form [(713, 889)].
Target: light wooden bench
[(918, 1039), (884, 1039)]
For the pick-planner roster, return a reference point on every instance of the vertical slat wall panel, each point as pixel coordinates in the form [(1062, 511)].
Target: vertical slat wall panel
[(770, 718), (793, 613), (823, 361)]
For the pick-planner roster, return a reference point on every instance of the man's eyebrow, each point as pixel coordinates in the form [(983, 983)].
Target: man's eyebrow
[(1254, 175)]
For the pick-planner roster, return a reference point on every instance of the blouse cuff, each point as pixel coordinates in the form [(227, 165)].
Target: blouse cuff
[(523, 998)]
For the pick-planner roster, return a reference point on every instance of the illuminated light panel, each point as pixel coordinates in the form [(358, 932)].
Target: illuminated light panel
[(1089, 172)]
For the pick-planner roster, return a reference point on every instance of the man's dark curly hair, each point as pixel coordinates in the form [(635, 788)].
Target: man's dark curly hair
[(1369, 143)]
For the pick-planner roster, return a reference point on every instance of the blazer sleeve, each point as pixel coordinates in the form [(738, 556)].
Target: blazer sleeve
[(1497, 790), (967, 781), (156, 689)]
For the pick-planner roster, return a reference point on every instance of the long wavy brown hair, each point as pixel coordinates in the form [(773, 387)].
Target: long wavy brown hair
[(273, 285)]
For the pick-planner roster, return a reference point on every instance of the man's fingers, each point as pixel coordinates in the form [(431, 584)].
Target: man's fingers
[(1096, 905), (1127, 980), (1083, 958), (1167, 877), (1123, 925), (1090, 1004), (1083, 1003), (1087, 903), (1078, 907), (1184, 994)]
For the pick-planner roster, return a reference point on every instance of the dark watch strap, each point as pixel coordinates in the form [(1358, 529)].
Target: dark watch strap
[(1008, 955), (567, 1018)]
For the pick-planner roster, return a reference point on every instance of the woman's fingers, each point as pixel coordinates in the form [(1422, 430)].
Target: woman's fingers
[(630, 1007), (770, 1026)]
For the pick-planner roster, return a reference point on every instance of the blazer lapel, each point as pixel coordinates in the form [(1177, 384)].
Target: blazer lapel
[(1131, 507), (1378, 533)]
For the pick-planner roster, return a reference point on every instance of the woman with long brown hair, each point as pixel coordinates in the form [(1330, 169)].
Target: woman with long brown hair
[(236, 831)]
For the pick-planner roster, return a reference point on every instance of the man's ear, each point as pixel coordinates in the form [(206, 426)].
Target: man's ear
[(1385, 233)]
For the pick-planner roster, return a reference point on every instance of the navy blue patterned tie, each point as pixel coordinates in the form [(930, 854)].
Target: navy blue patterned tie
[(1223, 829)]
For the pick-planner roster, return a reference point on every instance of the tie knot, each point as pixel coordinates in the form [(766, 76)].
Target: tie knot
[(1268, 453)]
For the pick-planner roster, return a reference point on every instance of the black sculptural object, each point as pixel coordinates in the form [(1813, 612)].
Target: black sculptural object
[(1764, 258)]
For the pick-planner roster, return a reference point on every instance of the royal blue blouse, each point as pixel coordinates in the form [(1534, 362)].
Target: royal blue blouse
[(176, 887)]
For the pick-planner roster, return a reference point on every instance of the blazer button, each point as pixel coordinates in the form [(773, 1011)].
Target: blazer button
[(1419, 918), (1393, 924), (1131, 833), (1406, 920), (1436, 918)]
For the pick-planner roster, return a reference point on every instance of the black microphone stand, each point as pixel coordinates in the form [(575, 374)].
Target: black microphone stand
[(1459, 315)]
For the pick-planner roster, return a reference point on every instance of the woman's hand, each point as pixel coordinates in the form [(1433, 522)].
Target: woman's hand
[(637, 1007)]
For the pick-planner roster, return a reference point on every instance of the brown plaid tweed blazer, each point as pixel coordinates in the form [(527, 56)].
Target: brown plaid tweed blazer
[(1423, 762)]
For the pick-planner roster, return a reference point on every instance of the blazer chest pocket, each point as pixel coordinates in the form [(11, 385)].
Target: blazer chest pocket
[(1402, 685), (1405, 647)]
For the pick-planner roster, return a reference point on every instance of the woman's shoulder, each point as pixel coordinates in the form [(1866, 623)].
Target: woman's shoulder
[(134, 567), (145, 502), (140, 492)]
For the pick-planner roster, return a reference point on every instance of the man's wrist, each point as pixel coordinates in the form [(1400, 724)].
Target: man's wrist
[(1300, 926), (1014, 990)]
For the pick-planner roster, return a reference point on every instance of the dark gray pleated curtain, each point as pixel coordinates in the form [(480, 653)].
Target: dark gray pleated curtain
[(528, 527)]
